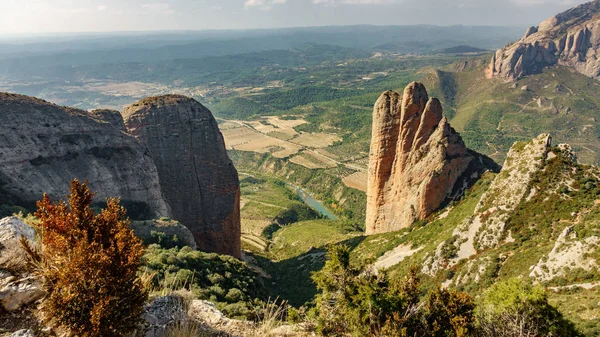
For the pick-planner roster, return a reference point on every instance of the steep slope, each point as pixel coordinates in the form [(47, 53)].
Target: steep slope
[(571, 39), (417, 160), (44, 146), (197, 178), (491, 115), (537, 219)]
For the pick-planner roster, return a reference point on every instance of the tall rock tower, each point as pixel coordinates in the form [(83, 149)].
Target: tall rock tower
[(417, 161), (197, 178)]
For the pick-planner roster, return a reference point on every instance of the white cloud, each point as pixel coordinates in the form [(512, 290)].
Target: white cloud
[(160, 8), (545, 2), (352, 2), (263, 4)]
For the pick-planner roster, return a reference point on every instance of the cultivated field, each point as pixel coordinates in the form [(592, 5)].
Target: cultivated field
[(244, 138), (316, 140), (357, 180), (313, 160), (277, 136)]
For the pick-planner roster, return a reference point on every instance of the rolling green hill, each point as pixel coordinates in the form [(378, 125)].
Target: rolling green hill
[(491, 114)]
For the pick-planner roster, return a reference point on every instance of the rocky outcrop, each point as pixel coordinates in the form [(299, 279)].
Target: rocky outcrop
[(157, 230), (570, 39), (44, 146), (486, 228), (17, 287), (197, 178), (569, 252), (162, 313), (417, 161), (22, 333), (12, 229), (17, 292), (111, 117)]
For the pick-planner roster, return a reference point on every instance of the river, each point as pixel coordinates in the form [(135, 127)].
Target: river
[(313, 203)]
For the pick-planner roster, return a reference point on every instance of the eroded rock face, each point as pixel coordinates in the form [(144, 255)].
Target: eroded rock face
[(111, 117), (197, 177), (570, 39), (417, 161), (44, 146), (13, 228)]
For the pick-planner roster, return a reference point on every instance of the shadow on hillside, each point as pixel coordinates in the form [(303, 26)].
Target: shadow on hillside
[(290, 278)]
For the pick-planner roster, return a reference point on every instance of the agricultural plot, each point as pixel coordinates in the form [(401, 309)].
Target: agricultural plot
[(316, 140), (246, 139), (356, 180), (132, 89), (313, 160)]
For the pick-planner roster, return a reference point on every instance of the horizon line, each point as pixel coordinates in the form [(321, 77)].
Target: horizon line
[(184, 31)]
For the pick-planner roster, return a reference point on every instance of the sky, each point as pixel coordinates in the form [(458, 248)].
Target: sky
[(58, 16)]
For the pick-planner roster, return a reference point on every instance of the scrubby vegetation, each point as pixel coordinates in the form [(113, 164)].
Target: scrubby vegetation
[(361, 303), (516, 308), (223, 280), (89, 264), (357, 302)]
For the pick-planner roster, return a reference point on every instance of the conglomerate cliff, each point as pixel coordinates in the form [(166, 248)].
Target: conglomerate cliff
[(571, 39), (197, 178), (44, 146), (417, 161)]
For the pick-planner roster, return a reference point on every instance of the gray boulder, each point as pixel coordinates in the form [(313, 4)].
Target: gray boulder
[(15, 293), (16, 288), (22, 333), (163, 312), (12, 228)]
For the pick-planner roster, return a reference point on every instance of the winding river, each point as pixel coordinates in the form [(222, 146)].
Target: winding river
[(313, 203)]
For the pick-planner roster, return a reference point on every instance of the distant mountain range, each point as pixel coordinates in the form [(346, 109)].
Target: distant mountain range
[(38, 55)]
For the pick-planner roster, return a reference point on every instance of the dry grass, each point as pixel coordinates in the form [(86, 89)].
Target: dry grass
[(185, 329), (271, 315)]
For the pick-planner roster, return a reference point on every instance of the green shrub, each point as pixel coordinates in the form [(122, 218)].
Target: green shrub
[(164, 240), (361, 303), (516, 308), (228, 282)]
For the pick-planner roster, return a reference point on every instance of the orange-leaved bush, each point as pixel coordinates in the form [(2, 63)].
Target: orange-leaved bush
[(89, 264)]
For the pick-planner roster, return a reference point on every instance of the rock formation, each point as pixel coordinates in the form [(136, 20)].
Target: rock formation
[(17, 286), (570, 39), (149, 229), (417, 161), (197, 178), (44, 146)]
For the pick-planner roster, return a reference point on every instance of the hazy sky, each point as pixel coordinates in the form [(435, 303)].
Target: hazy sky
[(37, 16)]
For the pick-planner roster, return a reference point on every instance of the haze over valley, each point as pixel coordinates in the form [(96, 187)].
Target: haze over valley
[(300, 168)]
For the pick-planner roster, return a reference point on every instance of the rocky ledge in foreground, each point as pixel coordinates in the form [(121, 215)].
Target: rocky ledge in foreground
[(417, 161), (197, 178)]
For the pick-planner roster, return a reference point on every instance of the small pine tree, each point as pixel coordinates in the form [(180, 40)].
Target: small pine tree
[(448, 313), (357, 302), (514, 308), (89, 264), (335, 281)]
